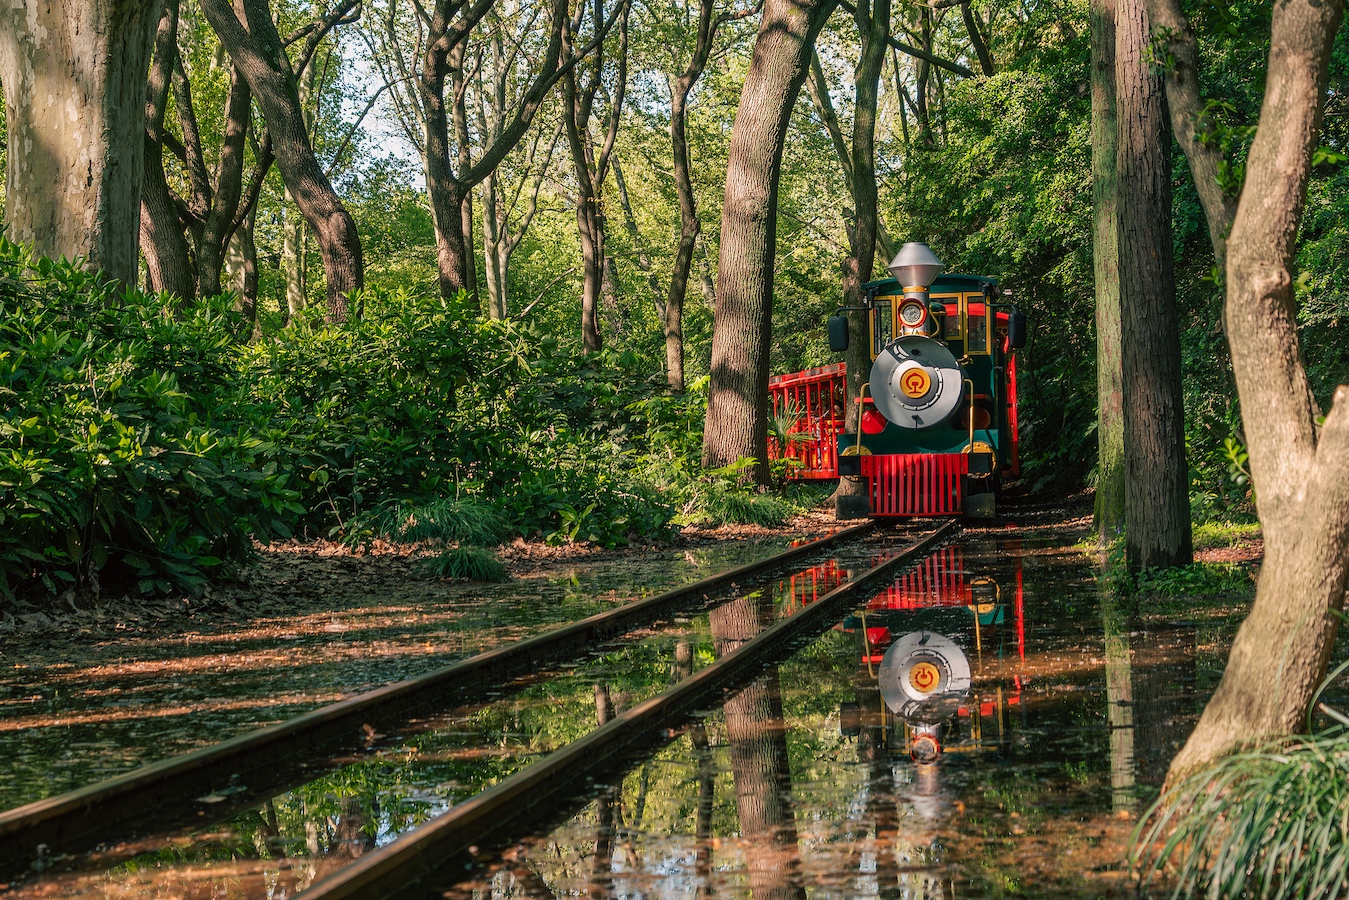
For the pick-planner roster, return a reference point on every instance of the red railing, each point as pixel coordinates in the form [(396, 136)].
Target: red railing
[(815, 400), (928, 484)]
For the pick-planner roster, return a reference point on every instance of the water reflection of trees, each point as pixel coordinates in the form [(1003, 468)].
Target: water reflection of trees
[(757, 741)]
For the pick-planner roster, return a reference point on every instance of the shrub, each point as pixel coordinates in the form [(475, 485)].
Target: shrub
[(123, 464), (444, 520), (473, 563), (1269, 823)]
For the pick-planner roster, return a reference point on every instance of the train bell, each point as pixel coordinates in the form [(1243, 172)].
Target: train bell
[(924, 677)]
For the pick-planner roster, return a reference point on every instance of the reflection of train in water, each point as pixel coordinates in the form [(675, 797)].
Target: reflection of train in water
[(938, 417), (944, 647)]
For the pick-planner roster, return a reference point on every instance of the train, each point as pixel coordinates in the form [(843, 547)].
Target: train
[(937, 430)]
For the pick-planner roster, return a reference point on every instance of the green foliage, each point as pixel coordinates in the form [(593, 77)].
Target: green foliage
[(124, 465), (1267, 823), (445, 520), (473, 563)]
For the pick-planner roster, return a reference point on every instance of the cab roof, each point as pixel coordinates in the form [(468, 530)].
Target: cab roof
[(952, 281)]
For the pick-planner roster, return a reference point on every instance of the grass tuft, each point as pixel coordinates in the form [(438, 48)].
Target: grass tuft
[(473, 563), (447, 520), (1271, 823)]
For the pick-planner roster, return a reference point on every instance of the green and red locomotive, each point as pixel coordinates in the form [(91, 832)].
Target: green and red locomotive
[(938, 424)]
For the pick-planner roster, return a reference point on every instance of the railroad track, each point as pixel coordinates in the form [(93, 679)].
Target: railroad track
[(426, 860), (186, 790)]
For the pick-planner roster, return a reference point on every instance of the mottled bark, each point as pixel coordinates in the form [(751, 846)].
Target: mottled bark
[(590, 164), (1297, 464), (737, 409), (1105, 261), (292, 220), (74, 76), (1157, 504), (256, 50), (449, 29), (1171, 31), (167, 261)]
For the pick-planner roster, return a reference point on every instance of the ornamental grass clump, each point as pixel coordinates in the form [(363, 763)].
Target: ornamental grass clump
[(473, 563), (1269, 823)]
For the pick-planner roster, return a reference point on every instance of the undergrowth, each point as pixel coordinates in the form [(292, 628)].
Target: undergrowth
[(1272, 822)]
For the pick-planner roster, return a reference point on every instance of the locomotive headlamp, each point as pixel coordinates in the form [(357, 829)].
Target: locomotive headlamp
[(912, 313), (915, 267)]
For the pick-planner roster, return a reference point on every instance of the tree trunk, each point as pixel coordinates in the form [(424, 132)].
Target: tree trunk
[(689, 225), (873, 24), (1283, 648), (737, 408), (495, 248), (591, 166), (167, 261), (258, 54), (1170, 26), (74, 76), (215, 231), (977, 38), (1105, 260), (1157, 504)]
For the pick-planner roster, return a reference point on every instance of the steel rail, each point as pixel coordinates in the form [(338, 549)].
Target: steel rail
[(261, 763), (418, 862)]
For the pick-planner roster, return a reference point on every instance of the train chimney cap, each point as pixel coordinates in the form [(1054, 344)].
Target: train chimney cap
[(915, 265)]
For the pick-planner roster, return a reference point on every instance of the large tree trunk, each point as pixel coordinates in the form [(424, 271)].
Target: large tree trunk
[(1157, 505), (1110, 479), (74, 75), (257, 53), (1298, 467), (167, 262), (737, 408), (873, 24)]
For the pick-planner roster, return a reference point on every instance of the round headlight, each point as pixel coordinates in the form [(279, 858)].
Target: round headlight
[(912, 314)]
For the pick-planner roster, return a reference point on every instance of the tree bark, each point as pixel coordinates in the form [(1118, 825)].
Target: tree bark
[(1110, 479), (689, 226), (977, 39), (444, 47), (737, 409), (1156, 477), (591, 166), (1171, 29), (167, 261), (1297, 465), (256, 50), (74, 76)]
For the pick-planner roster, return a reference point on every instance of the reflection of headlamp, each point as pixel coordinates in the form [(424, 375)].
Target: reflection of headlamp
[(924, 748)]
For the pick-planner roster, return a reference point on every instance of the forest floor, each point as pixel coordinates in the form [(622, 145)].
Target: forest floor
[(86, 694)]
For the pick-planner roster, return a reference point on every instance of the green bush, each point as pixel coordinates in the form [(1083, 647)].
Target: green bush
[(473, 563), (123, 462), (1267, 823)]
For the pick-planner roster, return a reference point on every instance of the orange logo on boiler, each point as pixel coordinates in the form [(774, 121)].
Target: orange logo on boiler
[(924, 677), (915, 382)]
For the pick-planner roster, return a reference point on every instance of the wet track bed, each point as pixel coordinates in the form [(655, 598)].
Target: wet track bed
[(801, 783), (133, 700)]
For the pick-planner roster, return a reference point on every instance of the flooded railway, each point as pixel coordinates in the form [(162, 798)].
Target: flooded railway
[(984, 724)]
